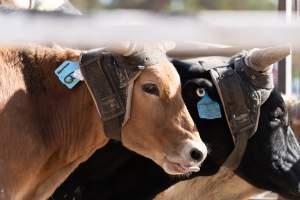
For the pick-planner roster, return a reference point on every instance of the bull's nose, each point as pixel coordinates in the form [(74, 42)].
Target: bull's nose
[(196, 155), (194, 151)]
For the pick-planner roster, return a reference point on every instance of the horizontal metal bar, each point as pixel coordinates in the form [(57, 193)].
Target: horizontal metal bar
[(234, 28)]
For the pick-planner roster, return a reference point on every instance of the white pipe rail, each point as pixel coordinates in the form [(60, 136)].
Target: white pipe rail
[(235, 28)]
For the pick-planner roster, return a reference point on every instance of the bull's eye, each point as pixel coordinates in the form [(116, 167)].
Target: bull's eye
[(151, 88), (200, 92)]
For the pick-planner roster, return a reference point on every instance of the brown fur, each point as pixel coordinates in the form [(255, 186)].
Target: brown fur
[(47, 130), (222, 186), (37, 113)]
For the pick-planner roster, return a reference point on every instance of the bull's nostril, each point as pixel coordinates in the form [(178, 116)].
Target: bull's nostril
[(196, 155)]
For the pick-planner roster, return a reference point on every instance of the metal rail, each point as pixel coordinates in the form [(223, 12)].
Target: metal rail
[(234, 29)]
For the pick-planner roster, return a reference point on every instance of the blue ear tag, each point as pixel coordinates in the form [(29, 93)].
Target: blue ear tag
[(65, 71), (208, 109)]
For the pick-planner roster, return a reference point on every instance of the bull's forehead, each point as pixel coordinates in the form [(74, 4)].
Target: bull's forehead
[(164, 74)]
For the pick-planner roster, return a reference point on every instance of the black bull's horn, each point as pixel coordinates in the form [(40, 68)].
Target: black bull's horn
[(261, 60), (259, 65)]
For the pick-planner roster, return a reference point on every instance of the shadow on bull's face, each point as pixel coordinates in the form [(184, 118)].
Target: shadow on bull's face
[(272, 158)]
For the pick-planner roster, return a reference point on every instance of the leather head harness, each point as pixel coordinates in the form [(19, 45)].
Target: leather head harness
[(110, 79), (242, 91)]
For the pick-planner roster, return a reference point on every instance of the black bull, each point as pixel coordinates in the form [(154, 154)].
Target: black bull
[(271, 160)]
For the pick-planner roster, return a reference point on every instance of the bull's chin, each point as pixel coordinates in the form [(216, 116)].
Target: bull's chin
[(174, 168)]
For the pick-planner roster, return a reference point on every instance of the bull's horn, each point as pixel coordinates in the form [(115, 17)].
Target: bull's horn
[(166, 46), (262, 59), (130, 47), (124, 48)]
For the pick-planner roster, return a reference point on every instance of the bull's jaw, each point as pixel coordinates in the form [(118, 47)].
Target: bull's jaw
[(174, 168)]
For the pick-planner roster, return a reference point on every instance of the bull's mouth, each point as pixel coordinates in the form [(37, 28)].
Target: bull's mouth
[(176, 168)]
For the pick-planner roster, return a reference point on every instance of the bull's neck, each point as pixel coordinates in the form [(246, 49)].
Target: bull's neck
[(67, 118)]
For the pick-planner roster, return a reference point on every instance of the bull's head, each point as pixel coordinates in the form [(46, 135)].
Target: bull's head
[(272, 157), (160, 126)]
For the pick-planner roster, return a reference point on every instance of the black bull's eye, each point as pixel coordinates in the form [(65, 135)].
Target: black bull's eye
[(151, 88), (200, 92)]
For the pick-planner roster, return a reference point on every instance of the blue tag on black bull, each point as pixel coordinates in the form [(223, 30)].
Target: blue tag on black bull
[(65, 73), (208, 109)]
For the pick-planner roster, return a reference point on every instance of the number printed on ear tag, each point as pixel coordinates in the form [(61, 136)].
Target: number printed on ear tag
[(65, 73), (208, 109)]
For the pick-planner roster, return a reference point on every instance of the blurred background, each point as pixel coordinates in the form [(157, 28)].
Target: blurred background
[(194, 7), (177, 5), (287, 76)]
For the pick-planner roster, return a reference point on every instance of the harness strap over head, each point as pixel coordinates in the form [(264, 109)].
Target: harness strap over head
[(110, 80), (241, 98), (104, 92)]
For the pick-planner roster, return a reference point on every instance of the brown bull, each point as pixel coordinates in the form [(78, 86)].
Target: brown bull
[(47, 130)]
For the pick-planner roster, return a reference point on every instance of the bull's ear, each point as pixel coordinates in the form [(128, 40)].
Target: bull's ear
[(125, 48)]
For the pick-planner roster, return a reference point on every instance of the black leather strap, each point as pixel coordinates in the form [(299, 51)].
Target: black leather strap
[(241, 109), (105, 93), (241, 106)]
